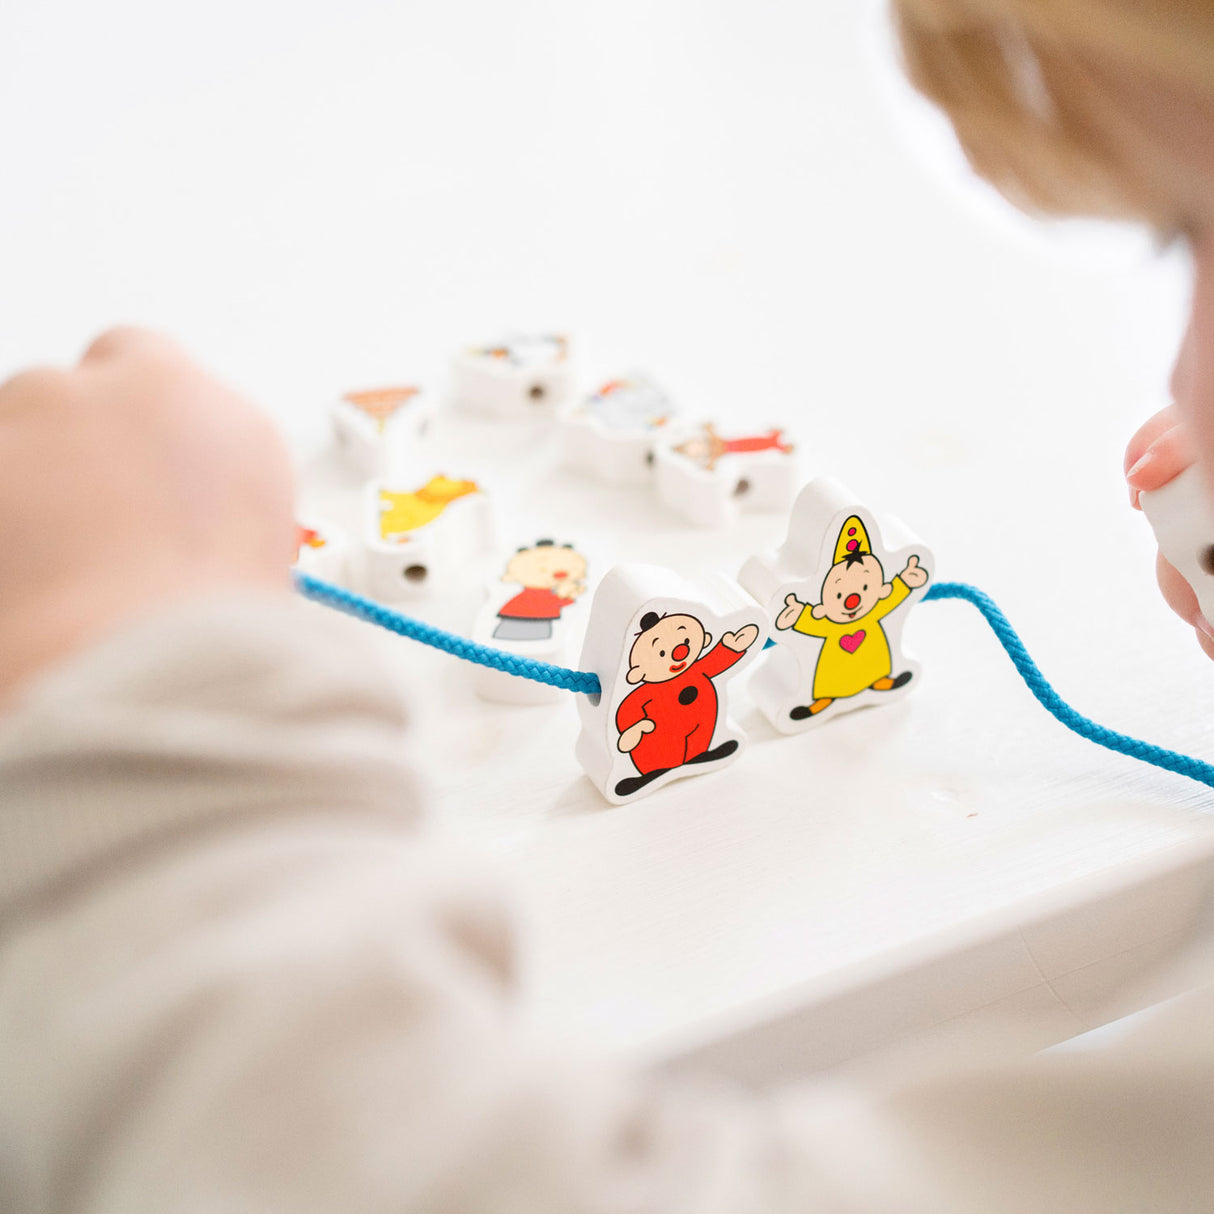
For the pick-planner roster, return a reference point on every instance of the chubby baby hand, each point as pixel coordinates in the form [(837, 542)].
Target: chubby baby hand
[(1159, 452), (130, 480)]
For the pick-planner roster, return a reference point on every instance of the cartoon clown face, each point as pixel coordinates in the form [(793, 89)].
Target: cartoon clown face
[(852, 589), (665, 648)]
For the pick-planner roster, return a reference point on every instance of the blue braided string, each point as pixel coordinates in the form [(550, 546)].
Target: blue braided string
[(416, 630), (1055, 705), (588, 683)]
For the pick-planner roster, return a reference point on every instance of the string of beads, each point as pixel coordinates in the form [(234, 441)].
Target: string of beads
[(587, 682)]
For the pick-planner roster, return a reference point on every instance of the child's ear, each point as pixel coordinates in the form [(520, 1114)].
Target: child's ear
[(707, 641), (886, 590), (819, 611), (635, 675)]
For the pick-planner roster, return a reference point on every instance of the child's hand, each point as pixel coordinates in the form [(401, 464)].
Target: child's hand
[(1159, 452), (132, 480)]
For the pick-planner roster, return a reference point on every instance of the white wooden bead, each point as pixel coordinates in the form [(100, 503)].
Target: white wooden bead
[(532, 609), (418, 536), (379, 430), (837, 594), (521, 379), (612, 433), (1183, 523), (709, 477), (665, 651)]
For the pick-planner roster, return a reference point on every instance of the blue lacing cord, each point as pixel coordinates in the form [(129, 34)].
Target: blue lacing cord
[(588, 683), (1055, 705), (416, 630)]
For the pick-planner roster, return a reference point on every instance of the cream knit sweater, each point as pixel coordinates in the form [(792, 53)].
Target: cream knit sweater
[(238, 975)]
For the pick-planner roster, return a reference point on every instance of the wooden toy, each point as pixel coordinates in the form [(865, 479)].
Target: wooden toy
[(611, 434), (525, 378), (530, 611), (664, 651), (376, 428), (837, 592), (1183, 523), (416, 539), (709, 478), (322, 550)]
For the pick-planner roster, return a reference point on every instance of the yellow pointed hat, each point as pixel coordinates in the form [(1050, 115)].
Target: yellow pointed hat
[(852, 538)]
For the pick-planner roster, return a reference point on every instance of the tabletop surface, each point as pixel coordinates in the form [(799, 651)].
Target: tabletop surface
[(753, 210)]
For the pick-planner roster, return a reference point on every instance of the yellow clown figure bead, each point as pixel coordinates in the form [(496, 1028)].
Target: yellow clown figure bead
[(837, 597)]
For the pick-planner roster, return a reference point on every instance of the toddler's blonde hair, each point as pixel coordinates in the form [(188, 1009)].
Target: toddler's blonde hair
[(1029, 86)]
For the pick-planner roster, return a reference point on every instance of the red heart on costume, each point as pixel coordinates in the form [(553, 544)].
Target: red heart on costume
[(852, 641)]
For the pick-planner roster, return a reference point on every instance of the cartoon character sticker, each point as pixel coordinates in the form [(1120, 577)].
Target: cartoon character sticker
[(707, 448), (310, 537), (529, 350), (632, 405), (401, 514), (552, 576), (524, 378), (379, 431), (612, 434), (381, 405), (665, 651), (416, 542), (855, 655), (320, 550), (710, 479), (838, 599), (670, 719)]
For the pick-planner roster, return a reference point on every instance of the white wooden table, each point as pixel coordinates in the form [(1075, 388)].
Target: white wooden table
[(316, 199)]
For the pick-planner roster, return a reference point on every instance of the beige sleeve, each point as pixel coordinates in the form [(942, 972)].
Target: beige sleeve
[(237, 974)]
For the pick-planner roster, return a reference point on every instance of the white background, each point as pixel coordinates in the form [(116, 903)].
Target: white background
[(746, 202)]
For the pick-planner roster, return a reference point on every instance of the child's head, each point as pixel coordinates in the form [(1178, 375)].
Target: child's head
[(1074, 106), (1099, 107)]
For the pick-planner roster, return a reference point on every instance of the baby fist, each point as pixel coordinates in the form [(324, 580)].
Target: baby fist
[(131, 480)]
